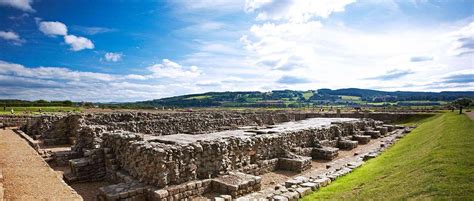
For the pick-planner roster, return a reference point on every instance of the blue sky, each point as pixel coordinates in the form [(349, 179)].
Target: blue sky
[(141, 50)]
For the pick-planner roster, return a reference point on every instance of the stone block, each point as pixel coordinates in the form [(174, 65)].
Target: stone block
[(160, 194), (347, 144), (313, 186), (292, 182), (303, 191), (373, 134), (323, 181), (325, 153), (292, 196), (362, 139)]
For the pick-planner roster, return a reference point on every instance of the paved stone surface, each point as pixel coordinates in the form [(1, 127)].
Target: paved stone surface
[(26, 175), (247, 132)]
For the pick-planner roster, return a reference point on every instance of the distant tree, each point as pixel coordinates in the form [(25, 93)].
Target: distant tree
[(88, 104), (67, 103), (462, 103)]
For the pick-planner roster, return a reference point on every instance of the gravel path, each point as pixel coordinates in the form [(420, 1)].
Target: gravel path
[(26, 175), (470, 114)]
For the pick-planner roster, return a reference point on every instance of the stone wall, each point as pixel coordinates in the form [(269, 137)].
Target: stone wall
[(13, 120), (84, 130), (89, 168), (379, 116), (161, 164)]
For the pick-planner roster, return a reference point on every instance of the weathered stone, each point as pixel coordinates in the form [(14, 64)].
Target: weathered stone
[(303, 191), (325, 153), (313, 186)]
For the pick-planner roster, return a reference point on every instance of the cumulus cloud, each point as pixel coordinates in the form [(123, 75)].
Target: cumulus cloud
[(113, 57), (392, 74), (338, 52), (24, 5), (78, 43), (53, 28), (170, 69), (12, 37)]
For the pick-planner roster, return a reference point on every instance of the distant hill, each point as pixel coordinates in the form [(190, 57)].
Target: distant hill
[(292, 98)]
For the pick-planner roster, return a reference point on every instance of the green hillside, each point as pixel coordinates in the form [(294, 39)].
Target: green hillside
[(292, 98), (434, 161)]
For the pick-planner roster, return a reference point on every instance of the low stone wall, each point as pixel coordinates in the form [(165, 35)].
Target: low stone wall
[(183, 191), (123, 191), (13, 120), (33, 143), (162, 164), (89, 168)]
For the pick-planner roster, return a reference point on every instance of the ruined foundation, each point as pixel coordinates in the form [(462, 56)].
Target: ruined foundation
[(175, 156)]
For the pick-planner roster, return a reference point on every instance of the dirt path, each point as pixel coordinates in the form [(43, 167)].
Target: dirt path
[(470, 114), (26, 176)]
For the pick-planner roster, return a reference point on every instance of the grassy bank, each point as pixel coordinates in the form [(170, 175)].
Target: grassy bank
[(436, 160), (36, 110)]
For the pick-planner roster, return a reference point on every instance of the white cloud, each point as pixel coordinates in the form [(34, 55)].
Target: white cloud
[(170, 69), (113, 57), (292, 41), (295, 10), (24, 5), (11, 36), (51, 73), (57, 83), (462, 40), (53, 28), (78, 43)]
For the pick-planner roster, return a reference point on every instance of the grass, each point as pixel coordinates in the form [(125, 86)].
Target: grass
[(414, 120), (307, 95), (350, 98), (434, 161), (35, 110)]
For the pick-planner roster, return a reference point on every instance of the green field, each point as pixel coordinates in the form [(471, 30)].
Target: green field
[(307, 95), (36, 110), (350, 98), (434, 161)]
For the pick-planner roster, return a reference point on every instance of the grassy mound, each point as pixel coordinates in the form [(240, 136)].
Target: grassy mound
[(436, 160)]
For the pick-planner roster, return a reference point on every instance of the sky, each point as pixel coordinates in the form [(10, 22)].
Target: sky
[(118, 51)]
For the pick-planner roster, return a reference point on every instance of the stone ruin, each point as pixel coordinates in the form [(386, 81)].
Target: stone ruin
[(177, 156)]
